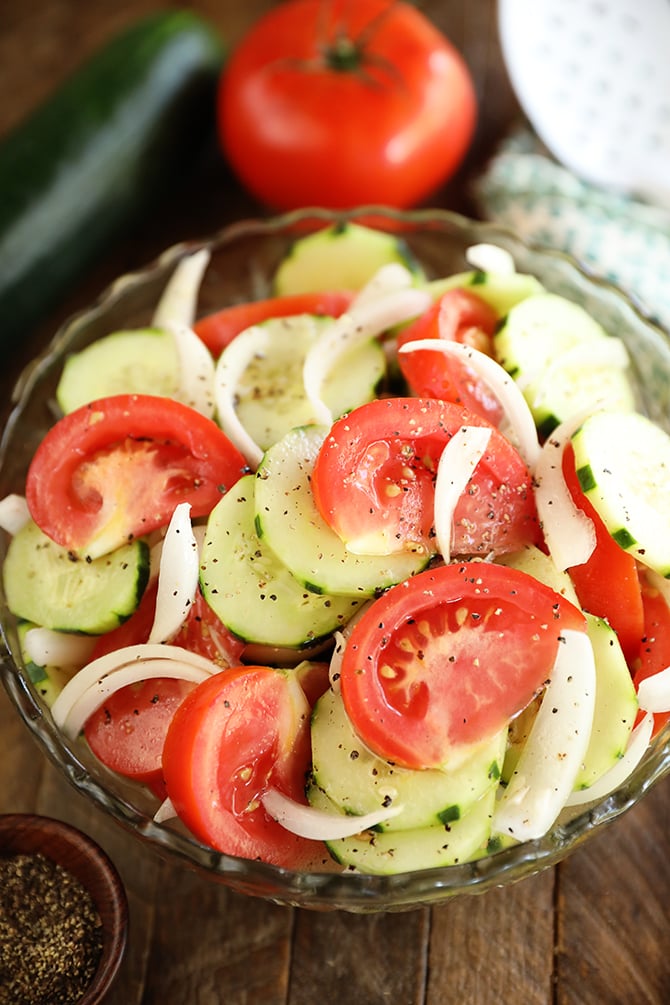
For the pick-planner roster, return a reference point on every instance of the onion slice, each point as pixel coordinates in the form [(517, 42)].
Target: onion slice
[(568, 532), (511, 398), (365, 320), (621, 769), (387, 279), (46, 647), (490, 258), (318, 825), (457, 463), (14, 513), (196, 369), (653, 693), (178, 301), (177, 576), (165, 811), (545, 775)]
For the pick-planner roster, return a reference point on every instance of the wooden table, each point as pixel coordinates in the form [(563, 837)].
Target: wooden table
[(593, 930)]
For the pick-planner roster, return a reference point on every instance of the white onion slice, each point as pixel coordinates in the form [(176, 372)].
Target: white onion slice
[(229, 369), (196, 369), (545, 775), (165, 811), (362, 322), (59, 649), (508, 394), (14, 513), (178, 301), (388, 279), (621, 770), (457, 463), (90, 700), (177, 576), (568, 532), (307, 822), (490, 258), (653, 693), (101, 667)]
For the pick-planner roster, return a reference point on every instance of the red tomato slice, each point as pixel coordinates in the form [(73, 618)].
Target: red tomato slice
[(116, 468), (219, 329), (607, 584), (128, 732), (202, 632), (374, 481), (237, 734), (458, 316), (444, 660), (654, 650)]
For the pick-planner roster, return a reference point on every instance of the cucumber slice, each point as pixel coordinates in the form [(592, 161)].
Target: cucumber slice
[(392, 852), (623, 465), (340, 257), (262, 602), (501, 292), (126, 362), (46, 584), (288, 521), (541, 567), (359, 782), (270, 398), (616, 704)]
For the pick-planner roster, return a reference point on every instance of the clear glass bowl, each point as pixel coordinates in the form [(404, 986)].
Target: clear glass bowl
[(244, 257)]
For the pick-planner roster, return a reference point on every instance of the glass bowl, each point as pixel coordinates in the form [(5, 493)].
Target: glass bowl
[(244, 257)]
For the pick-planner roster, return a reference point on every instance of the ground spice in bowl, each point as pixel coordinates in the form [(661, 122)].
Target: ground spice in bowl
[(50, 933)]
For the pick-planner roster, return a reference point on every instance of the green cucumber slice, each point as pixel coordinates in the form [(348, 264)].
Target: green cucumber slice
[(126, 362), (622, 461), (261, 602), (340, 257), (501, 292), (616, 704), (270, 398), (389, 853), (46, 584), (359, 782), (288, 521)]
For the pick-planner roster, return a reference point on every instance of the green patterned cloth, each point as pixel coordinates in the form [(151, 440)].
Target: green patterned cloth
[(615, 236)]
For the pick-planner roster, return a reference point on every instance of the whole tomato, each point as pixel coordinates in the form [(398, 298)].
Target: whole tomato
[(340, 103)]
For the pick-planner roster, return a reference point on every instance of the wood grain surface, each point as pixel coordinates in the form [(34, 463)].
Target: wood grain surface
[(593, 931)]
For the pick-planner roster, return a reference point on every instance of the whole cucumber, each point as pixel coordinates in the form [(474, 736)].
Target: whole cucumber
[(89, 162)]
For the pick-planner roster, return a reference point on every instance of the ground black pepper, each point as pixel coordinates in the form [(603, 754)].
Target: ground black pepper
[(50, 933)]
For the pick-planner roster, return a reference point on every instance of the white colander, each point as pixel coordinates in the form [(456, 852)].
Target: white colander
[(593, 77)]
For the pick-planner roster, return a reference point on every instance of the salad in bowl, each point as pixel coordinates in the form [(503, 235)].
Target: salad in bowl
[(337, 553)]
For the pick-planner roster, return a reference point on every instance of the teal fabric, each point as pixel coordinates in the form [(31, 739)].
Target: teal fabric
[(616, 237)]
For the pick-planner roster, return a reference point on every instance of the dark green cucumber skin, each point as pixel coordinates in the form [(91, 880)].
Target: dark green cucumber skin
[(92, 160)]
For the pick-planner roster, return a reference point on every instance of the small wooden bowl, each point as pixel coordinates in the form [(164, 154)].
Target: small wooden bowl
[(26, 834)]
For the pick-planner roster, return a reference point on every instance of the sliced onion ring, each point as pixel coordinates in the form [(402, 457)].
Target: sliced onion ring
[(457, 463), (490, 258), (46, 647), (177, 576), (653, 693), (511, 399), (307, 822), (196, 369), (178, 301), (14, 513), (621, 769), (165, 811)]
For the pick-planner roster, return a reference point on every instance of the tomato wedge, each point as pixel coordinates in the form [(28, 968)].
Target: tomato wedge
[(219, 329), (374, 481), (654, 649), (128, 732), (607, 584), (116, 468), (444, 660), (457, 316), (237, 734)]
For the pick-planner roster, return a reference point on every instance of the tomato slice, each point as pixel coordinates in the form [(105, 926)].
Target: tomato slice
[(374, 481), (458, 316), (444, 660), (128, 732), (116, 468), (219, 329), (607, 584), (237, 734), (654, 650)]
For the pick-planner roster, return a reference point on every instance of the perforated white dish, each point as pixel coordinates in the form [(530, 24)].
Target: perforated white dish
[(593, 77)]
